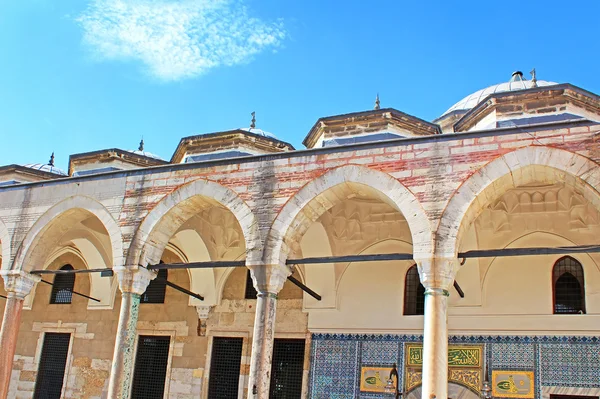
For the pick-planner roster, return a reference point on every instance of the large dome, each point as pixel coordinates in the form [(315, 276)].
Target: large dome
[(515, 83)]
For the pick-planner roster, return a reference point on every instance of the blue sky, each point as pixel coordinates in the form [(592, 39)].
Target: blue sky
[(79, 75)]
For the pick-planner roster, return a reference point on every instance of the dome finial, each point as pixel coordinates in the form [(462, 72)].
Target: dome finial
[(51, 161), (141, 147), (377, 102), (533, 78), (253, 121)]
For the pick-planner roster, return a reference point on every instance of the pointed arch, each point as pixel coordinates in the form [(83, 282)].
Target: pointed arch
[(164, 220), (308, 204), (535, 164), (31, 251)]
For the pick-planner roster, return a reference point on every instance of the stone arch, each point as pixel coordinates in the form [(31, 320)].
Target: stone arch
[(163, 221), (310, 203), (35, 235), (524, 166), (5, 245)]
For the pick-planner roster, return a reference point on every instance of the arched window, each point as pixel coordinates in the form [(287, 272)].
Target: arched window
[(155, 293), (568, 285), (62, 289), (250, 290), (414, 293)]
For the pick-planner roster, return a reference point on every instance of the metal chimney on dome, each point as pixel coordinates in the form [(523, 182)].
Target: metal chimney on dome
[(517, 76)]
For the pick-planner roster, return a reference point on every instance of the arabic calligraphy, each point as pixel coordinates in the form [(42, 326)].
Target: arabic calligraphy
[(458, 356)]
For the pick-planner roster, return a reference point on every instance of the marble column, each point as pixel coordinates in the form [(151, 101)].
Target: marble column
[(437, 275), (17, 286), (133, 282), (268, 281)]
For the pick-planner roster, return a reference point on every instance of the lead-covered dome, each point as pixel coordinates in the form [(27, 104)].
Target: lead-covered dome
[(515, 83), (48, 168)]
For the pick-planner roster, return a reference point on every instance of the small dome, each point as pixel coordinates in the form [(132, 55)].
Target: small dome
[(145, 154), (140, 151), (514, 84), (259, 132), (46, 168)]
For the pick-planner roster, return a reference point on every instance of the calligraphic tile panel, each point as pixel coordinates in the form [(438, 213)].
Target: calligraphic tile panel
[(570, 365), (513, 356), (334, 369)]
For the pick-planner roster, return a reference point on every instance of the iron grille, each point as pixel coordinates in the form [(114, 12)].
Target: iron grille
[(250, 290), (155, 292), (150, 367), (225, 368), (51, 371), (414, 293), (62, 288), (287, 369), (568, 282)]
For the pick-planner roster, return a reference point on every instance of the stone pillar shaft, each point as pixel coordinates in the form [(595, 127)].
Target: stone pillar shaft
[(437, 274), (268, 281), (133, 283), (17, 285), (262, 345), (435, 344), (122, 366), (8, 341)]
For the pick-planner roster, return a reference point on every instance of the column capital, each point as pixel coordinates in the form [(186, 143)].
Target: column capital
[(17, 283), (437, 274), (203, 311), (133, 279), (269, 279)]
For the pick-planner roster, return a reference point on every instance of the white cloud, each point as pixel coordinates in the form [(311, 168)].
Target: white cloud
[(177, 39)]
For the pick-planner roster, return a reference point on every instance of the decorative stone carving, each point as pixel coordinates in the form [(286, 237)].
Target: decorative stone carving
[(356, 223), (134, 279), (219, 230), (203, 312), (18, 284), (549, 208)]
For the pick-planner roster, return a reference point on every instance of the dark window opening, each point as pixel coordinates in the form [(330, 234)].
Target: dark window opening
[(287, 369), (150, 367), (568, 284), (51, 371), (62, 289), (414, 293), (572, 397), (250, 290), (155, 293), (225, 362)]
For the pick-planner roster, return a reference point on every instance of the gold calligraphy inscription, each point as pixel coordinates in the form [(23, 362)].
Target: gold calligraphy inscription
[(513, 384), (458, 356), (467, 377), (413, 379)]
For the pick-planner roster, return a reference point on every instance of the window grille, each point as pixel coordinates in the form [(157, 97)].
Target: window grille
[(569, 288), (62, 289), (287, 369), (250, 290), (150, 367), (225, 368), (155, 293), (414, 293), (51, 371)]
